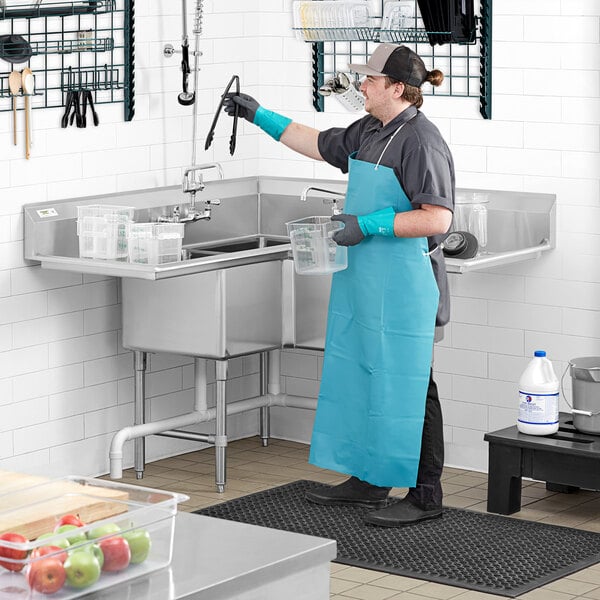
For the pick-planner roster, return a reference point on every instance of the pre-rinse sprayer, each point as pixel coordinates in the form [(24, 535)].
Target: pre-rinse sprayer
[(187, 98), (193, 175)]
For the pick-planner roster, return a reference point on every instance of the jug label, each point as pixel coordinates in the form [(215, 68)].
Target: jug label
[(538, 409)]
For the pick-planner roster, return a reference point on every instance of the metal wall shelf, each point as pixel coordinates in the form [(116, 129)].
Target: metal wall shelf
[(466, 65), (85, 44)]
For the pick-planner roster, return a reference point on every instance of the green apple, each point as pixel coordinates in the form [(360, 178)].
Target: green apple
[(82, 569), (139, 543), (78, 536), (64, 543), (93, 549), (103, 531)]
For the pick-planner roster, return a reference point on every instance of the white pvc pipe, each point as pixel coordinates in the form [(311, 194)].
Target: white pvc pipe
[(294, 401), (274, 383), (200, 385), (193, 418), (202, 414)]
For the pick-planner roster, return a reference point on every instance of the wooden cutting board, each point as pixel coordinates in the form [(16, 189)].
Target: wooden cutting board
[(32, 511)]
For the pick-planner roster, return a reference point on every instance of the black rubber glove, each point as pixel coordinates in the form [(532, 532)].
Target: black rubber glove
[(248, 105), (351, 234)]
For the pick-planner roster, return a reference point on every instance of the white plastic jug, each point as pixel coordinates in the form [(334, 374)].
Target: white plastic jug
[(538, 397)]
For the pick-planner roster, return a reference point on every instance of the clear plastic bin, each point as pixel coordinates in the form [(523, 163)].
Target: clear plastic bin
[(313, 249), (145, 518), (102, 231), (154, 243)]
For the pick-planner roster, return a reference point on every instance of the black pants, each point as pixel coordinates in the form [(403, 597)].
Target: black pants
[(428, 491)]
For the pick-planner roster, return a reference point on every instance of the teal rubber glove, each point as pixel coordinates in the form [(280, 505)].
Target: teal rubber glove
[(271, 123), (249, 109), (355, 229), (380, 222)]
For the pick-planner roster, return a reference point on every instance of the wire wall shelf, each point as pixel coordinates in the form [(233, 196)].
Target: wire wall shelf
[(53, 8), (69, 46), (466, 64)]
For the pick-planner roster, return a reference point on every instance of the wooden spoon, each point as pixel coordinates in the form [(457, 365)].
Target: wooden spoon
[(28, 84), (14, 84)]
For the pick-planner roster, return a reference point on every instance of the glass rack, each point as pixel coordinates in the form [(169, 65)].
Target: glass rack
[(462, 54)]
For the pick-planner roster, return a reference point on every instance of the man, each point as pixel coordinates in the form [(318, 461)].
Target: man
[(378, 417)]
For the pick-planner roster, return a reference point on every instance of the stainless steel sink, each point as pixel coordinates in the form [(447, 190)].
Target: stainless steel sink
[(217, 314), (242, 244)]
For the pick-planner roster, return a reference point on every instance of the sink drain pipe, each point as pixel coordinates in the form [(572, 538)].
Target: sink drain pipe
[(202, 414)]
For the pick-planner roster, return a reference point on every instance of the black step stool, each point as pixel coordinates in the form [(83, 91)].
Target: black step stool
[(566, 460)]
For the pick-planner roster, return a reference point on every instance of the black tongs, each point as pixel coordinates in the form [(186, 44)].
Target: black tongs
[(211, 133)]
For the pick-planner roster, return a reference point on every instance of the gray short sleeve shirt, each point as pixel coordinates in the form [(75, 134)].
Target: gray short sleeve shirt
[(421, 160)]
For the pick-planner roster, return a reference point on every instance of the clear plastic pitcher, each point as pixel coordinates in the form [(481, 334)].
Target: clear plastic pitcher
[(313, 249)]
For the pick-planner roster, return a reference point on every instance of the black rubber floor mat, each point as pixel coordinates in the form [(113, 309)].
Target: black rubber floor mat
[(477, 551)]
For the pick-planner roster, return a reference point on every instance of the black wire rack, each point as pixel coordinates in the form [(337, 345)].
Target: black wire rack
[(464, 58), (84, 44)]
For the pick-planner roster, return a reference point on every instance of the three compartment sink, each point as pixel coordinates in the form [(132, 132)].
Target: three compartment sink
[(238, 285)]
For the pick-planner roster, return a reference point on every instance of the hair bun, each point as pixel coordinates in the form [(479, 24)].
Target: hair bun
[(435, 77)]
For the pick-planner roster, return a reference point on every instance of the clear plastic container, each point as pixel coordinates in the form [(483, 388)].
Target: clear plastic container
[(313, 249), (471, 214), (145, 519), (538, 397), (397, 16), (154, 243), (329, 19), (102, 231)]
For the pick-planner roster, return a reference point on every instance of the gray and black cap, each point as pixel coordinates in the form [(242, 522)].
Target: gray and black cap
[(395, 61)]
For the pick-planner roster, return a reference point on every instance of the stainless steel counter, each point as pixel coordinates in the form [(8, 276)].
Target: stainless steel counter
[(214, 559), (521, 226)]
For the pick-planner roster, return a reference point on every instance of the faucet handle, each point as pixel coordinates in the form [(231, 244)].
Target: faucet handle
[(193, 179), (335, 209)]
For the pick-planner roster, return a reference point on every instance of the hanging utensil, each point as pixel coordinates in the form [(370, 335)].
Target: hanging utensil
[(90, 101), (14, 85), (28, 84), (68, 104), (211, 134)]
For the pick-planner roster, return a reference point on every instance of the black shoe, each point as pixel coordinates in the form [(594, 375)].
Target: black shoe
[(353, 491), (401, 513)]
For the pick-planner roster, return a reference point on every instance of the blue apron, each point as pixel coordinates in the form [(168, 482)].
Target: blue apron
[(378, 346)]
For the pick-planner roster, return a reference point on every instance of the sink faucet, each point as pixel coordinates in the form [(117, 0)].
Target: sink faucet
[(336, 196), (193, 181)]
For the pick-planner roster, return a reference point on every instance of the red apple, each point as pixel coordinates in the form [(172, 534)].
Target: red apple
[(46, 575), (69, 520), (55, 552), (13, 553), (116, 553)]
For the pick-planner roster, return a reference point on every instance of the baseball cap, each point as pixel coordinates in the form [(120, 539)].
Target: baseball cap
[(395, 61)]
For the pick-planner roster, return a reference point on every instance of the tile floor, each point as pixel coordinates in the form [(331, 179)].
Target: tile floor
[(251, 468)]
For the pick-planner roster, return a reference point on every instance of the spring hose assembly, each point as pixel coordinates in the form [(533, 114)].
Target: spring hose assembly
[(187, 98)]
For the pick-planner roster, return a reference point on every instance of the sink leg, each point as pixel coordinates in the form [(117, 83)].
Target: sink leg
[(264, 411), (139, 362), (221, 426)]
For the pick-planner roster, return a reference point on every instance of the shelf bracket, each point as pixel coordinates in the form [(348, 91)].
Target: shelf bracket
[(318, 76), (485, 61), (129, 68)]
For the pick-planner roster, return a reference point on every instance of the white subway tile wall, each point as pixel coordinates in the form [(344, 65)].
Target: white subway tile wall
[(66, 382)]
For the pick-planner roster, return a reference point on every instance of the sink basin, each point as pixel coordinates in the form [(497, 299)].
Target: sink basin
[(252, 242)]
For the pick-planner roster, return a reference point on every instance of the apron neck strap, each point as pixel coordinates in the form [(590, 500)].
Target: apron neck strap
[(390, 141)]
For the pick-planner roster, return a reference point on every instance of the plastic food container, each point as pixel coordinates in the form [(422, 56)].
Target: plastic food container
[(145, 519), (102, 230), (313, 249), (154, 243)]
